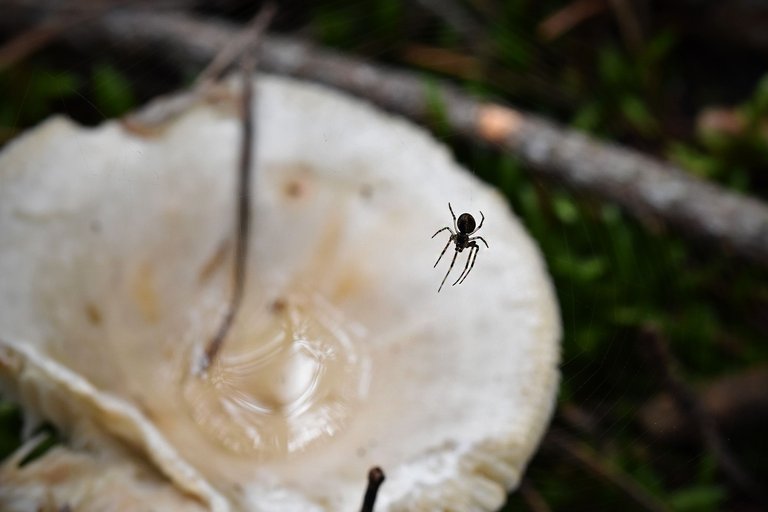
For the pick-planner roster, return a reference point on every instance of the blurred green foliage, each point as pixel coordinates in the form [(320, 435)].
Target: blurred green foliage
[(10, 428), (30, 92), (112, 92)]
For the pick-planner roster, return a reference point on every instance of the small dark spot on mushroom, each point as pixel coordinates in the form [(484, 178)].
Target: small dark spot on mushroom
[(278, 306), (95, 226), (361, 452), (93, 314), (366, 191), (295, 189)]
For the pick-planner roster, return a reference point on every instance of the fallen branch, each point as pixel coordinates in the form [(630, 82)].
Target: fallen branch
[(648, 189), (52, 18)]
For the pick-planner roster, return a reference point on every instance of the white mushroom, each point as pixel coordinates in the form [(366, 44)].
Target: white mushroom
[(115, 264)]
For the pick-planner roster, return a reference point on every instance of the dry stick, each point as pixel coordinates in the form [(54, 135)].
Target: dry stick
[(243, 212), (648, 189), (244, 44), (462, 66), (689, 402), (629, 24), (57, 20), (162, 109), (375, 479), (592, 462), (568, 17), (33, 39)]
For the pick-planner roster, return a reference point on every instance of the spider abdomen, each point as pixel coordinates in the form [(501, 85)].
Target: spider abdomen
[(466, 223)]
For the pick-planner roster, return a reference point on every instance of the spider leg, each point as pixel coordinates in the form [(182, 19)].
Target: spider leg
[(481, 239), (469, 257), (441, 230), (482, 219), (444, 249), (456, 253), (454, 217), (477, 250)]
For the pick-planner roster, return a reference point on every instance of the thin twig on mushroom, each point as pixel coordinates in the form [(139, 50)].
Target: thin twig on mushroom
[(249, 44)]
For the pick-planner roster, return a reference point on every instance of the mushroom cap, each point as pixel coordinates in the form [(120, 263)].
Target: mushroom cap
[(116, 252)]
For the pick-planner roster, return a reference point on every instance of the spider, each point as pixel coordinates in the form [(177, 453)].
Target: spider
[(465, 227)]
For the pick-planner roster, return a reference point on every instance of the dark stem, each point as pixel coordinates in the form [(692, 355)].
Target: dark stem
[(245, 164), (244, 45), (375, 479)]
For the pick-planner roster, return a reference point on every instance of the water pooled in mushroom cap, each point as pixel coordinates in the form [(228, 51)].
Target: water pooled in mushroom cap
[(288, 378)]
